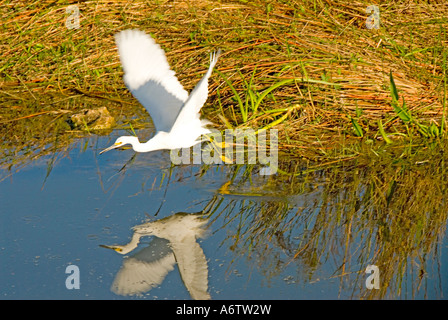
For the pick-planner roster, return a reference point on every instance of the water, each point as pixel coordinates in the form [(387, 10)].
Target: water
[(264, 241)]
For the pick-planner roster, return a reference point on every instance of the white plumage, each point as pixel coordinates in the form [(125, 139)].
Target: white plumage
[(148, 76)]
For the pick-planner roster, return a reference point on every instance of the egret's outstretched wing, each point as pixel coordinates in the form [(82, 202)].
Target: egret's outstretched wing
[(148, 76), (198, 96), (137, 277), (144, 270), (192, 266)]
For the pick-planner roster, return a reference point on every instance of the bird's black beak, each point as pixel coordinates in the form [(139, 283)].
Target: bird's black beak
[(111, 247), (115, 145)]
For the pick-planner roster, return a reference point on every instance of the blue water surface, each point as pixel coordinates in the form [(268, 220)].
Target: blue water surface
[(51, 219)]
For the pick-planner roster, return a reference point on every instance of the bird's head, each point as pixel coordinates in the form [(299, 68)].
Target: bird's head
[(121, 141), (119, 249)]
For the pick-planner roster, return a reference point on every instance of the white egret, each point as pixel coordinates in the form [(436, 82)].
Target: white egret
[(148, 76), (175, 242)]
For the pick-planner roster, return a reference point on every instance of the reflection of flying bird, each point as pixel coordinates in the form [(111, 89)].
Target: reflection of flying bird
[(148, 76), (144, 270), (175, 242)]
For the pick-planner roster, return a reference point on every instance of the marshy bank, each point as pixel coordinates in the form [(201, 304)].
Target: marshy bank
[(311, 68)]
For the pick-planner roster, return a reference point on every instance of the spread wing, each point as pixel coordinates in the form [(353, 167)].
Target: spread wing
[(145, 270), (197, 98), (192, 266), (148, 76)]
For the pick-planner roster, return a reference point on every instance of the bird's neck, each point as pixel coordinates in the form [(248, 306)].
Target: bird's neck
[(133, 243), (155, 143)]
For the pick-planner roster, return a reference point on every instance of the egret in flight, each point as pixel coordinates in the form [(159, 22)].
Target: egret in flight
[(148, 76), (176, 241)]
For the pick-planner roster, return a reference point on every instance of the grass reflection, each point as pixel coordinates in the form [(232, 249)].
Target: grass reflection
[(392, 216), (36, 128)]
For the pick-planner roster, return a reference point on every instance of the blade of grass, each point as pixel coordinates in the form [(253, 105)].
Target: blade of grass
[(383, 133)]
